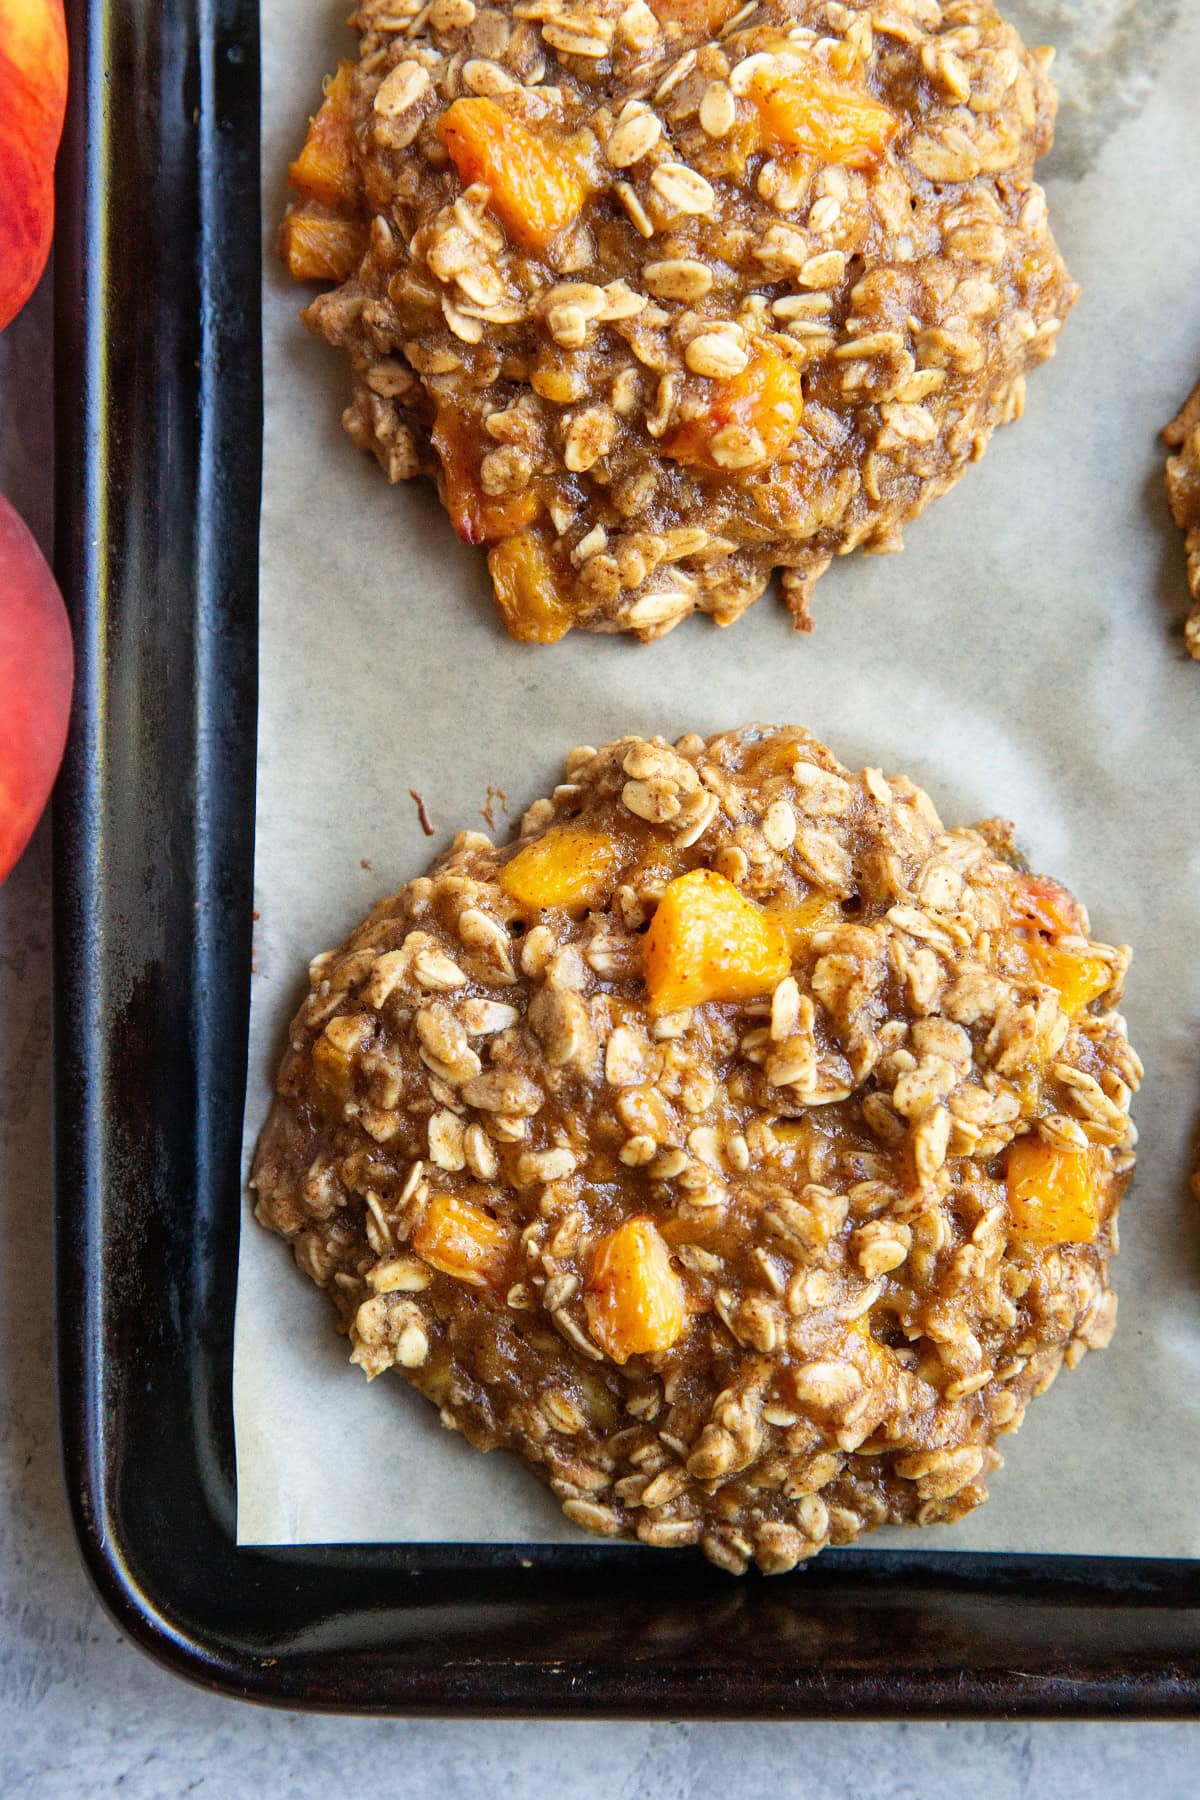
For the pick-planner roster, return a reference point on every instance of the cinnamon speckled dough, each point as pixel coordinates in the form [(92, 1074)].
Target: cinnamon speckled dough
[(872, 1199), (788, 267)]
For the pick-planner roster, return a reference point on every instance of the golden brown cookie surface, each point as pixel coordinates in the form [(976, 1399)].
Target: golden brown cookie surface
[(666, 298), (1183, 493), (739, 1145)]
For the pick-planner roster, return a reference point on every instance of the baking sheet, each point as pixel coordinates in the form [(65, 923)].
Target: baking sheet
[(1023, 657)]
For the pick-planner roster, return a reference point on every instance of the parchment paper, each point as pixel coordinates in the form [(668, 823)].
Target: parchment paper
[(1022, 657)]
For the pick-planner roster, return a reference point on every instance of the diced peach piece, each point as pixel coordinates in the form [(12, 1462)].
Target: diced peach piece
[(806, 109), (536, 187), (766, 398), (634, 1299), (462, 1240), (794, 1141), (642, 1110), (708, 942), (552, 379), (318, 246), (1078, 976), (334, 1054), (33, 93), (1046, 914), (567, 866), (650, 859), (325, 168), (816, 912), (331, 1070), (705, 16), (527, 590), (36, 674), (872, 1358), (1053, 1195), (477, 517)]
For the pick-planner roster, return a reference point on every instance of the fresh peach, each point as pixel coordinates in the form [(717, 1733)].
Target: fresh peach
[(478, 517), (807, 110), (33, 96), (36, 674)]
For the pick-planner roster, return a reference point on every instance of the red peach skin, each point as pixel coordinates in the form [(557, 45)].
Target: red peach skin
[(33, 96), (36, 675)]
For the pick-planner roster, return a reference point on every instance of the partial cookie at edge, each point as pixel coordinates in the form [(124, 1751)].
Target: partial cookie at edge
[(668, 298)]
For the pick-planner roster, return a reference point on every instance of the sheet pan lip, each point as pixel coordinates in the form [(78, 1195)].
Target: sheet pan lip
[(195, 122)]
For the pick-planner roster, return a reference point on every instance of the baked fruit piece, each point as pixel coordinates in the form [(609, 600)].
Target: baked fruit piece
[(1183, 493), (740, 1145), (667, 296)]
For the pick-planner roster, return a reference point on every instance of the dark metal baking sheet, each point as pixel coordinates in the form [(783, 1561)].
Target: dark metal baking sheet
[(159, 412)]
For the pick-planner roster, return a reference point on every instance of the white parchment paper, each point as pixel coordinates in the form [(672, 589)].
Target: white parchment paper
[(1022, 657)]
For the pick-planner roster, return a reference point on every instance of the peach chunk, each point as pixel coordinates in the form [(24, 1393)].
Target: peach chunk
[(527, 590), (334, 1053), (816, 912), (325, 168), (567, 866), (33, 95), (805, 109), (870, 1357), (333, 1070), (1049, 906), (1078, 977), (707, 16), (708, 942), (752, 415), (1053, 1195), (318, 246), (464, 1241), (536, 188), (1047, 913), (477, 517), (634, 1299)]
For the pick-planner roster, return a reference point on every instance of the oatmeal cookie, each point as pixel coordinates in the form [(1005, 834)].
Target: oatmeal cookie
[(668, 296), (1183, 492), (739, 1144)]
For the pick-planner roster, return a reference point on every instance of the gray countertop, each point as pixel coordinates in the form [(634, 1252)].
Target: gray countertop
[(83, 1713)]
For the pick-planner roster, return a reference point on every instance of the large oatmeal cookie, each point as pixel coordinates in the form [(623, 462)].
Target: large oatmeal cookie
[(1183, 493), (739, 1145), (667, 297)]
